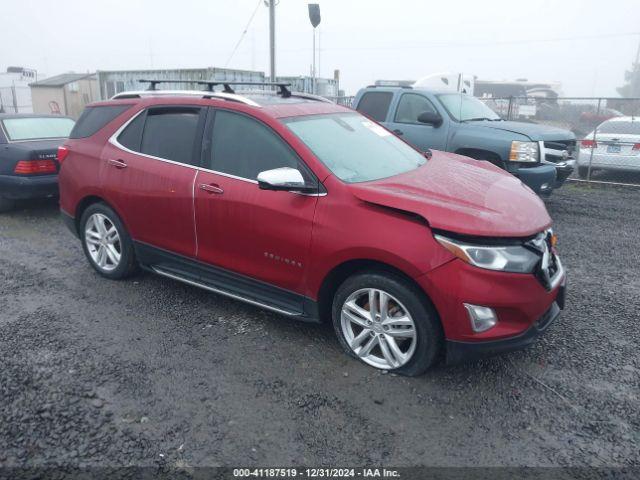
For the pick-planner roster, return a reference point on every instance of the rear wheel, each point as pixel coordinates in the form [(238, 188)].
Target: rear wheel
[(384, 321), (583, 172), (6, 204), (106, 242)]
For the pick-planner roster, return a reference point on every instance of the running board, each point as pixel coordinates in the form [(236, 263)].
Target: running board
[(204, 286)]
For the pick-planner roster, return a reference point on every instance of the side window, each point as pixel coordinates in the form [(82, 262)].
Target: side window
[(245, 147), (94, 118), (375, 105), (132, 135), (410, 107), (170, 133)]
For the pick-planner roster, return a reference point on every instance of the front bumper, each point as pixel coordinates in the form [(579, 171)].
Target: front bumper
[(523, 305), (563, 171), (459, 352), (540, 179), (16, 187)]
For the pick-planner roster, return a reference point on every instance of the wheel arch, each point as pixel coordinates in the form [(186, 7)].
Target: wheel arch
[(89, 200), (338, 274), (481, 154)]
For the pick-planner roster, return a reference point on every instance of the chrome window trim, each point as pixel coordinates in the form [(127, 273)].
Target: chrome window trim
[(113, 140)]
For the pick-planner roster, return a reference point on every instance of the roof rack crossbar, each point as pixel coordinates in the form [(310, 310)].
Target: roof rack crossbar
[(210, 85)]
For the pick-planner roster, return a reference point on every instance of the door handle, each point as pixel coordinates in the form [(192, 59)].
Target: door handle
[(211, 188), (398, 132), (117, 163)]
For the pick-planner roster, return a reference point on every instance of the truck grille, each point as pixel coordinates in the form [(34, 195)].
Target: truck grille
[(560, 151)]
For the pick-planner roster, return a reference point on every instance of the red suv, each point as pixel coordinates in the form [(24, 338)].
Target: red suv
[(292, 203)]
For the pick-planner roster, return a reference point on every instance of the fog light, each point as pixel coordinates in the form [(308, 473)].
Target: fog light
[(482, 318)]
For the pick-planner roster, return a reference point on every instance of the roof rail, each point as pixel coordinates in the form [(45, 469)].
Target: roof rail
[(192, 93)]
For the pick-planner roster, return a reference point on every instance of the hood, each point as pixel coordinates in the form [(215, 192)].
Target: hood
[(534, 131), (461, 195)]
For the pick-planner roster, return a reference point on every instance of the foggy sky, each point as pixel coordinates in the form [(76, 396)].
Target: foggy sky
[(366, 39)]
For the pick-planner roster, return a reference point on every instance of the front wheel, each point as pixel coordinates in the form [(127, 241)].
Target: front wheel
[(386, 322), (106, 243)]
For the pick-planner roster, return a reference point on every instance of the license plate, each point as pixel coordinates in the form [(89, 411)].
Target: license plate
[(613, 149)]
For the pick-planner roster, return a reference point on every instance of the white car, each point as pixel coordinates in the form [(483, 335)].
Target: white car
[(613, 145)]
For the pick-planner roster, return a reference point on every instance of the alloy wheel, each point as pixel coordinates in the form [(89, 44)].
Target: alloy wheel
[(378, 328), (103, 242)]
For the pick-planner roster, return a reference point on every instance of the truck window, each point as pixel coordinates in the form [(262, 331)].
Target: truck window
[(410, 107), (375, 105)]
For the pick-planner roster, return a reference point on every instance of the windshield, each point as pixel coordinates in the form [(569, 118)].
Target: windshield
[(353, 147), (464, 108), (32, 128)]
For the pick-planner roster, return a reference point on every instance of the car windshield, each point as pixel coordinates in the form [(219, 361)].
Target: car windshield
[(32, 128), (620, 127), (353, 147), (465, 108)]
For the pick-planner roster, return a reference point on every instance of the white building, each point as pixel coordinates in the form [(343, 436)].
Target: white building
[(15, 94)]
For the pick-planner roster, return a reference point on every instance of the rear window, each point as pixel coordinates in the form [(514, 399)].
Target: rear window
[(375, 105), (620, 127), (94, 118), (34, 128)]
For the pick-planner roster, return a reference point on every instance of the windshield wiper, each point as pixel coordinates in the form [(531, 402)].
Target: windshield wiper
[(477, 119)]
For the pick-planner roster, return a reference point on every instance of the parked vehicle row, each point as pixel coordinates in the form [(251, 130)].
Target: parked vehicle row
[(312, 210), (542, 157), (612, 146), (28, 148)]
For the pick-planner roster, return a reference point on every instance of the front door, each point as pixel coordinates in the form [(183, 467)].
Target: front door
[(150, 172), (261, 234), (404, 122)]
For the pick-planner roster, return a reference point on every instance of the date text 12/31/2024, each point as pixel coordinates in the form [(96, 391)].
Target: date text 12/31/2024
[(315, 473)]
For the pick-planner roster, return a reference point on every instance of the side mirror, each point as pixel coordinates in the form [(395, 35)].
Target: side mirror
[(430, 118), (284, 179)]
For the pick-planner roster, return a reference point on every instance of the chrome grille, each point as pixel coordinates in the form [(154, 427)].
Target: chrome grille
[(560, 150)]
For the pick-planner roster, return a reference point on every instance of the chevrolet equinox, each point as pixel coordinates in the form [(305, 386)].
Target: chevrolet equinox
[(309, 209)]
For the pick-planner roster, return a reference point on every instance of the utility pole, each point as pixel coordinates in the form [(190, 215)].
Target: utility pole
[(272, 38)]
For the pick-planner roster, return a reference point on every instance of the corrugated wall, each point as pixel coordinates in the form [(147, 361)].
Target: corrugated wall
[(112, 82)]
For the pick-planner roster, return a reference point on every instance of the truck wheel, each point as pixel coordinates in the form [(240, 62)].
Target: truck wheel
[(583, 172), (6, 204), (387, 323), (106, 242)]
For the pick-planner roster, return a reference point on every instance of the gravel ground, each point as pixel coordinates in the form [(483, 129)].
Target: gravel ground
[(151, 372)]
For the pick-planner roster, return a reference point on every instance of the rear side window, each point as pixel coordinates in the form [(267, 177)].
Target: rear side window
[(94, 118), (375, 105), (170, 133), (245, 147), (132, 135)]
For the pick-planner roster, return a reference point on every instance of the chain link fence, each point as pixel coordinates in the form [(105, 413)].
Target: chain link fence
[(607, 129), (15, 99)]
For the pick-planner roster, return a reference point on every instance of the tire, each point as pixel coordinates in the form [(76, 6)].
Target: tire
[(95, 240), (420, 351), (583, 172), (6, 205)]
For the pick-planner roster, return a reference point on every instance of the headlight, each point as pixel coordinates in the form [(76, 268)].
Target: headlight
[(524, 152), (507, 258)]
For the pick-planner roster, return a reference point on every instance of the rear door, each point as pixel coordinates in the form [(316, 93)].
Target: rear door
[(264, 235), (404, 121), (148, 173)]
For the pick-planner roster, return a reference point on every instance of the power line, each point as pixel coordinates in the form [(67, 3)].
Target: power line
[(476, 43), (244, 32)]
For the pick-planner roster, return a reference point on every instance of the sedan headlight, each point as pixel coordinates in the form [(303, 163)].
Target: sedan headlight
[(524, 152), (504, 258)]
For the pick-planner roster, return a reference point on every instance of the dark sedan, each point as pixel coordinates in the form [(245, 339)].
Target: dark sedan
[(28, 148)]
